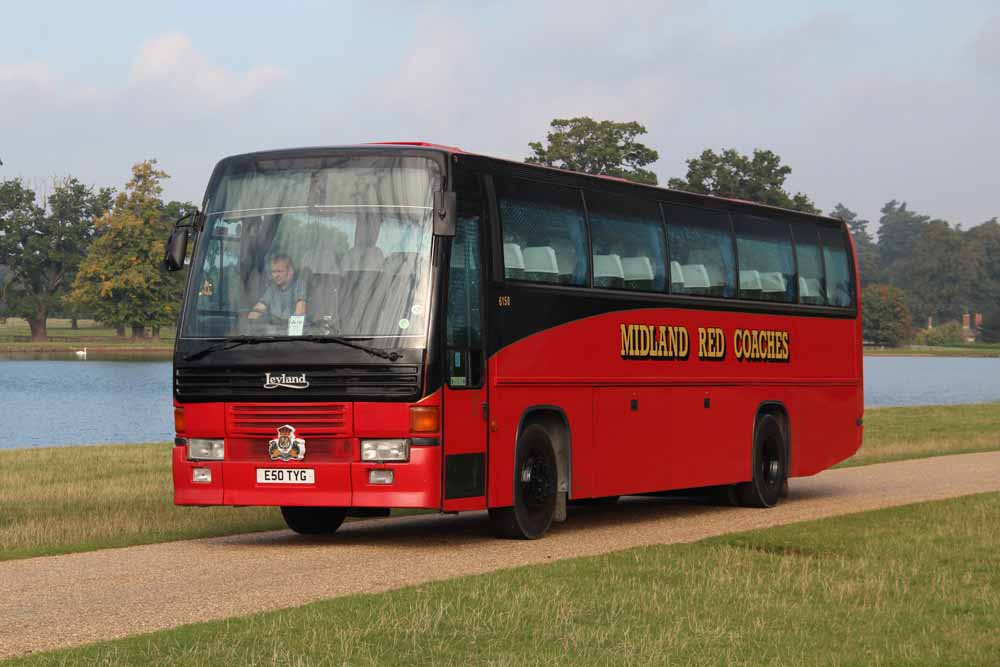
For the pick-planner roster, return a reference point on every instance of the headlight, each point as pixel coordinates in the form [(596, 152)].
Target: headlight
[(397, 449), (205, 450)]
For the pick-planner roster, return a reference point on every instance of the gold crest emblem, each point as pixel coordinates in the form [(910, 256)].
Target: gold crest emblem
[(286, 447)]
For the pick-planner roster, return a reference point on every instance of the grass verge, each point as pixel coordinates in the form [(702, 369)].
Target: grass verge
[(14, 333), (970, 350), (65, 499), (893, 434), (916, 585)]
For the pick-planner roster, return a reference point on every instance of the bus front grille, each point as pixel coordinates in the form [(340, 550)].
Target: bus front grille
[(309, 419), (326, 384)]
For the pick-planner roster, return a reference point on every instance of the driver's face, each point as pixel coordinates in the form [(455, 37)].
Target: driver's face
[(281, 273)]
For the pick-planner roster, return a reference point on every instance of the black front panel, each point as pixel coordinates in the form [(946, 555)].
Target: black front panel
[(376, 382), (464, 476)]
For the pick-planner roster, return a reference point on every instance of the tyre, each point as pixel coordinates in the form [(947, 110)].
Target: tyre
[(770, 466), (313, 520), (536, 477)]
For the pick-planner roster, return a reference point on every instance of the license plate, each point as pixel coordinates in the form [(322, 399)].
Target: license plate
[(286, 476)]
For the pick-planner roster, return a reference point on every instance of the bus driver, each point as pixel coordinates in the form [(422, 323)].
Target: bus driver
[(284, 298)]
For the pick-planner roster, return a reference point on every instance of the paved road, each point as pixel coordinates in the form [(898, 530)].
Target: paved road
[(60, 601)]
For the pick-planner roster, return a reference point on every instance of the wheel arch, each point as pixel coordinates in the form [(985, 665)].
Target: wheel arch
[(554, 420)]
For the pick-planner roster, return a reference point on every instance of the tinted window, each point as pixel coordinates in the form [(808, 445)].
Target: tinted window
[(701, 252), (464, 322), (809, 254), (628, 244), (544, 232), (840, 287), (767, 265)]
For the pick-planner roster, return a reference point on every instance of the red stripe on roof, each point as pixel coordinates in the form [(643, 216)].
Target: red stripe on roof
[(424, 144)]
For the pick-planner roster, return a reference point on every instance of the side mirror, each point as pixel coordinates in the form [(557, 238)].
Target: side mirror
[(176, 249), (445, 208)]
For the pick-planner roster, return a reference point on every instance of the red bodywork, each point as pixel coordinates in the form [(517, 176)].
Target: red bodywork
[(669, 440), (332, 432), (672, 440)]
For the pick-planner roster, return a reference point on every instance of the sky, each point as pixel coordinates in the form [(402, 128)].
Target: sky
[(866, 101)]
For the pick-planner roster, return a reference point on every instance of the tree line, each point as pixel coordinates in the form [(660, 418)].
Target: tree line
[(85, 252), (81, 251)]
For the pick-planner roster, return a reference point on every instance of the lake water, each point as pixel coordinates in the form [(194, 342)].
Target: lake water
[(71, 402)]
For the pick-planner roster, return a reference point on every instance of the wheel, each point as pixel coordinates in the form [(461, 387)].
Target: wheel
[(536, 479), (313, 520), (770, 467)]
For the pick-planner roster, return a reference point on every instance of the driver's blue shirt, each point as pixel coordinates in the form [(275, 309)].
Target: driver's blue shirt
[(281, 302)]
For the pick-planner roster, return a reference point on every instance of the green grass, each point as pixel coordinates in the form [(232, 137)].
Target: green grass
[(13, 333), (893, 434), (916, 585), (65, 499)]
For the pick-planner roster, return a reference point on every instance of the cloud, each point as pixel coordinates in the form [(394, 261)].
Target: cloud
[(26, 75), (169, 66), (854, 127), (176, 104), (860, 113), (987, 46)]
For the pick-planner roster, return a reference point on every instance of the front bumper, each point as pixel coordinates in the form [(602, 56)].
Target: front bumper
[(416, 483)]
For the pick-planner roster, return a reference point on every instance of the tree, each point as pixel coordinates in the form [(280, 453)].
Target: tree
[(864, 244), (730, 174), (930, 260), (898, 230), (43, 246), (596, 147), (886, 320), (120, 280), (948, 333), (990, 331), (982, 247)]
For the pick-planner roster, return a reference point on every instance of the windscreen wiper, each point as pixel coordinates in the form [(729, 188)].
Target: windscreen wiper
[(231, 343), (227, 344), (346, 342)]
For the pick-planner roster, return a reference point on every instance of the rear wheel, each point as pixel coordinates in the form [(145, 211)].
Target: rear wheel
[(314, 520), (536, 480), (770, 467)]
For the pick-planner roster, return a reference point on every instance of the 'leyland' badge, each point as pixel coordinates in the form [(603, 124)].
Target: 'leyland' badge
[(286, 447)]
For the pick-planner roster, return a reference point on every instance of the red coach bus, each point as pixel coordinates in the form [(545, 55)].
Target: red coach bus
[(412, 326)]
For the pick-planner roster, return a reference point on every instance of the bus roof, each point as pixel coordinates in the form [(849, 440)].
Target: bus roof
[(429, 145)]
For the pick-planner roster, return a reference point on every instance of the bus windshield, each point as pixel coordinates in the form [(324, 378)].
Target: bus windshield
[(316, 246)]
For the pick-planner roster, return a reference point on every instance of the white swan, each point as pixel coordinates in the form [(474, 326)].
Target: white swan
[(81, 354)]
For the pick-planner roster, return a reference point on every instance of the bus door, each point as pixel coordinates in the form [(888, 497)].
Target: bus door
[(465, 388)]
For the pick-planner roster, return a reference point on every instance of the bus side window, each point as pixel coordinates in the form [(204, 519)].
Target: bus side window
[(767, 265), (839, 278), (701, 252), (809, 255), (544, 232), (628, 244)]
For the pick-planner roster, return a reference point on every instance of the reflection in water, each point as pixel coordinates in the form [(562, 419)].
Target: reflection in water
[(127, 399)]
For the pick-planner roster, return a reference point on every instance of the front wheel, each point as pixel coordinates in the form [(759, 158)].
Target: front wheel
[(770, 466), (535, 483), (314, 520)]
